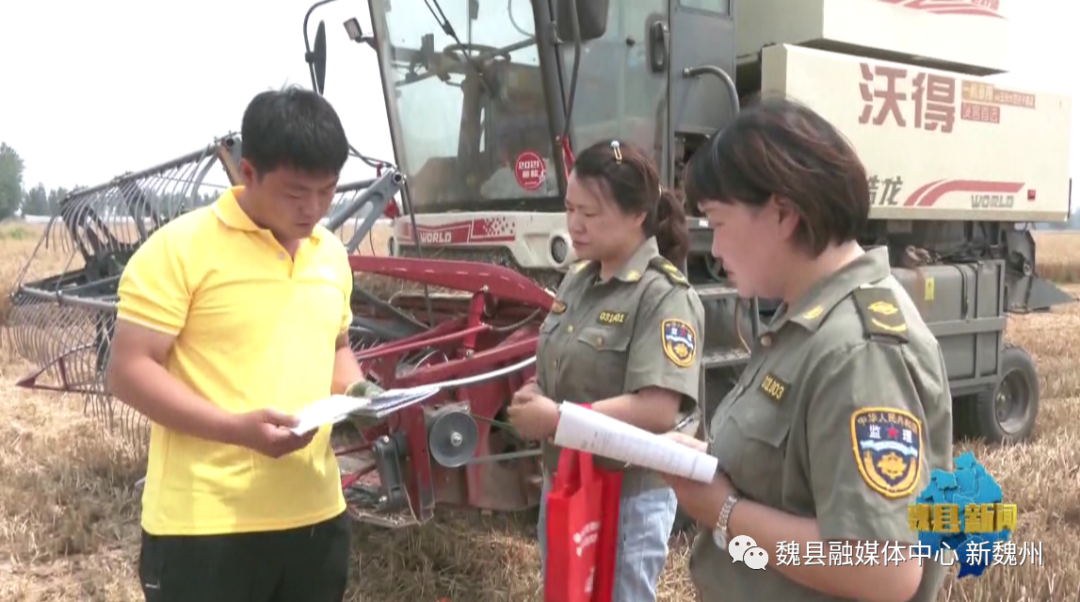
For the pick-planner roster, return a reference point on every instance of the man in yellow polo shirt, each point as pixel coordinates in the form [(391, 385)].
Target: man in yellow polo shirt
[(232, 318)]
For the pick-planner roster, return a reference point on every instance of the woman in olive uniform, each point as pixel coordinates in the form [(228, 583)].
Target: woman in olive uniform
[(844, 409), (624, 335)]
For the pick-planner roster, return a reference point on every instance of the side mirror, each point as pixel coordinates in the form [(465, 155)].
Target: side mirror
[(592, 16), (356, 33), (316, 59)]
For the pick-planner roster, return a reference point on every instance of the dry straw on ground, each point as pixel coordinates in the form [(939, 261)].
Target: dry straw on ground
[(69, 512)]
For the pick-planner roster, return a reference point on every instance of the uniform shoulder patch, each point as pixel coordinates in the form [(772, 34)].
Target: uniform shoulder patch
[(673, 274), (680, 342), (881, 314), (888, 450)]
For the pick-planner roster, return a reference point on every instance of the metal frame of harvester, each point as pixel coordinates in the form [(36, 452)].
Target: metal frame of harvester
[(477, 307)]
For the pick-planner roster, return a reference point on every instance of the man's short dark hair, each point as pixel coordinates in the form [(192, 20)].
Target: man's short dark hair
[(777, 146), (293, 128)]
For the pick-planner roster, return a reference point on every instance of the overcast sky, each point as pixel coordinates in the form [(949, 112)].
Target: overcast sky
[(104, 87), (93, 89)]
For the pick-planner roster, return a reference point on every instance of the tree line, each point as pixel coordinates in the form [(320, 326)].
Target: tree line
[(15, 199)]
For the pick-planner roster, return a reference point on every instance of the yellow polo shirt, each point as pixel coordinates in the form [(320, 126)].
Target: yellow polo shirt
[(254, 329)]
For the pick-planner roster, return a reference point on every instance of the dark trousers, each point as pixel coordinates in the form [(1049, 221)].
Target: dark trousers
[(308, 564)]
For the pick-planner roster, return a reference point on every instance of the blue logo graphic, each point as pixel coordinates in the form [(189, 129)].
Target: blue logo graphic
[(969, 484)]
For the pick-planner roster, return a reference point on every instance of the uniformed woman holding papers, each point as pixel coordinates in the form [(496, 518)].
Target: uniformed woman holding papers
[(624, 335), (844, 408)]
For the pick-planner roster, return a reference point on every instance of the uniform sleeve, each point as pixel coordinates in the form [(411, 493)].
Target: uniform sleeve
[(867, 442), (665, 348), (153, 288)]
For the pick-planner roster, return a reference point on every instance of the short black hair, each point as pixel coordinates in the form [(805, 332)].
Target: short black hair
[(778, 146), (293, 128)]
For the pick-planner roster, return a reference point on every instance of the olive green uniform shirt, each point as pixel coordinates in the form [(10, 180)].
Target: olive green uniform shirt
[(841, 414), (641, 328)]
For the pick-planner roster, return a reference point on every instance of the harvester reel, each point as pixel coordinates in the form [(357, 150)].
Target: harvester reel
[(422, 359), (453, 437), (62, 314)]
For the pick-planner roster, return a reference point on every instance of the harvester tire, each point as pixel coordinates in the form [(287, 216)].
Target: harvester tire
[(1007, 413)]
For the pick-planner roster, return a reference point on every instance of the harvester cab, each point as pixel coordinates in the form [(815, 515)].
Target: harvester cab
[(484, 103)]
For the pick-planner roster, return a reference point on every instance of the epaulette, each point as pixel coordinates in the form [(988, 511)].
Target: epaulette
[(581, 265), (881, 315), (673, 274)]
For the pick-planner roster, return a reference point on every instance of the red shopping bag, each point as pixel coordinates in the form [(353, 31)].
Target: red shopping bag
[(608, 544), (582, 531)]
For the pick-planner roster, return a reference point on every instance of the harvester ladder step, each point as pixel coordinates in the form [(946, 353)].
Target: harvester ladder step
[(724, 358)]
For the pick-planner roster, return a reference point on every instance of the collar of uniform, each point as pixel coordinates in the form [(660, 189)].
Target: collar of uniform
[(634, 267), (227, 209), (811, 310)]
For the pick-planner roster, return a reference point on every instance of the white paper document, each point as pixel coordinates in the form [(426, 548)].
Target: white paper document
[(584, 430), (337, 408), (331, 410)]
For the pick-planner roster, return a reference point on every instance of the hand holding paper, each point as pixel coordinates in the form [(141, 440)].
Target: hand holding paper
[(330, 410), (337, 408), (589, 431), (268, 432), (688, 441)]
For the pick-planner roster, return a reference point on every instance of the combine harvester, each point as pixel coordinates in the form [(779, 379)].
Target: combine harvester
[(485, 103)]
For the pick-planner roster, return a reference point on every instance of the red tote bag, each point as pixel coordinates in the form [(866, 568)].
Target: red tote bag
[(582, 531), (608, 544)]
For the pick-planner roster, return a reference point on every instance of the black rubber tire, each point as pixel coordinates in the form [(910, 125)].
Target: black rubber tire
[(1006, 414)]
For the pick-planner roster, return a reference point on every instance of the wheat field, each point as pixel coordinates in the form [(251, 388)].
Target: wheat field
[(69, 509)]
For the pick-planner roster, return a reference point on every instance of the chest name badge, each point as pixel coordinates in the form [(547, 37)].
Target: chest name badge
[(616, 318), (888, 450), (774, 388)]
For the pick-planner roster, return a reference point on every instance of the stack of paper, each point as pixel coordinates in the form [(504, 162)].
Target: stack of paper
[(388, 402), (337, 408), (595, 433), (331, 410)]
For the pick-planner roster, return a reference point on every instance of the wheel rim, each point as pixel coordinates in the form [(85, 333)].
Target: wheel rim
[(1012, 402)]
